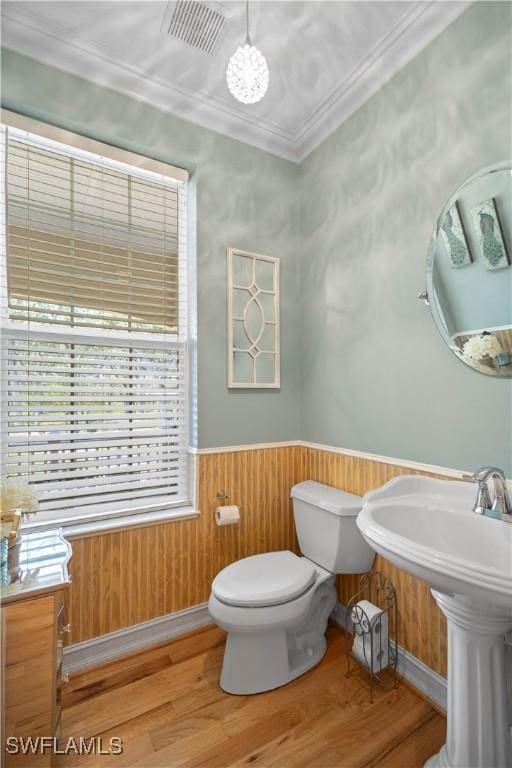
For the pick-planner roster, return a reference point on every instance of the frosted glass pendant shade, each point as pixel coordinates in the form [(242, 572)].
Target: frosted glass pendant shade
[(247, 74)]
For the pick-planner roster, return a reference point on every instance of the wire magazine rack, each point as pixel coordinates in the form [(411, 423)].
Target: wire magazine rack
[(375, 653)]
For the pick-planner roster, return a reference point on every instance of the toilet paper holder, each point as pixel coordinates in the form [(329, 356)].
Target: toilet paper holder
[(222, 497), (371, 650)]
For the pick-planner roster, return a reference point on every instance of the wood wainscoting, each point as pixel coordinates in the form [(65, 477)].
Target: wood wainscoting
[(421, 625), (127, 577)]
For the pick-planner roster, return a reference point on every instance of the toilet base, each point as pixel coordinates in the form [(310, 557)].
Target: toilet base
[(270, 664), (264, 660)]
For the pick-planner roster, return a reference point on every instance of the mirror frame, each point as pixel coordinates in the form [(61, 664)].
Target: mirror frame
[(431, 298)]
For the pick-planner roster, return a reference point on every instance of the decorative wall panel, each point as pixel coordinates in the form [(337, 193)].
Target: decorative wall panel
[(253, 320)]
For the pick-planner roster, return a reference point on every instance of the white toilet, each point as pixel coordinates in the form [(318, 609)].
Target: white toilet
[(275, 606)]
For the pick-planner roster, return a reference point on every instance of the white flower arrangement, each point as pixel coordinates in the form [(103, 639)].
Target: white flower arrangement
[(480, 346), (16, 494)]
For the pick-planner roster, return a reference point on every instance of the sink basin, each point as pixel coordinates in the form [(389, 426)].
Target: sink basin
[(427, 527)]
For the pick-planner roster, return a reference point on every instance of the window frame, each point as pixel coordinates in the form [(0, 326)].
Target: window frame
[(124, 513)]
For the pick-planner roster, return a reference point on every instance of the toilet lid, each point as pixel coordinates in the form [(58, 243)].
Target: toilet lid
[(268, 579)]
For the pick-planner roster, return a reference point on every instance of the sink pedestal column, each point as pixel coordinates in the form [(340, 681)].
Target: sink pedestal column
[(478, 734)]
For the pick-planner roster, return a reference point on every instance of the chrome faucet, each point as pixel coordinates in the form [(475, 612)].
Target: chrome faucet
[(501, 507)]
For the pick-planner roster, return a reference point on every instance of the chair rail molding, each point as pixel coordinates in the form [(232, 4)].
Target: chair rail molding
[(406, 463)]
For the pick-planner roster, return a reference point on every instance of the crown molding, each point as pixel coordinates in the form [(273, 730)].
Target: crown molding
[(58, 47), (419, 26)]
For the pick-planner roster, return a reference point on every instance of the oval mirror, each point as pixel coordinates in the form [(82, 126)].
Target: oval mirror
[(469, 272)]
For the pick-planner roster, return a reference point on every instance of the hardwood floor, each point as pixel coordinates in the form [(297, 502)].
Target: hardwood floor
[(167, 707)]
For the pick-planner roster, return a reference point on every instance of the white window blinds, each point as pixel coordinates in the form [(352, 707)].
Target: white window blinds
[(90, 245), (94, 336)]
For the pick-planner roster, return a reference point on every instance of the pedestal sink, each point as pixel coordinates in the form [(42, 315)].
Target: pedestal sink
[(427, 527)]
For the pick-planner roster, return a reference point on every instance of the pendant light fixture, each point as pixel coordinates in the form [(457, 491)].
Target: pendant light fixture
[(247, 72)]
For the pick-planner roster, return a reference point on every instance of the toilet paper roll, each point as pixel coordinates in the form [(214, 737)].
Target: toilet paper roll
[(228, 515), (363, 616), (370, 625), (376, 660)]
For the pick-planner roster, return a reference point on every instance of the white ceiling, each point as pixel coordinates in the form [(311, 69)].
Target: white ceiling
[(326, 58)]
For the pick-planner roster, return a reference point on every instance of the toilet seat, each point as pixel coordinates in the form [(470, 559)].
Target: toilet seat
[(268, 579)]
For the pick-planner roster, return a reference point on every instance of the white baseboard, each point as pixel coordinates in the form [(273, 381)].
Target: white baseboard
[(99, 650), (432, 685), (104, 648), (424, 679)]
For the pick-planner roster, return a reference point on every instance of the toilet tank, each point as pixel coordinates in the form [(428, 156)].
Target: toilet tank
[(325, 521)]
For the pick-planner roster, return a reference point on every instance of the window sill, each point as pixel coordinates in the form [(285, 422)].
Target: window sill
[(88, 528)]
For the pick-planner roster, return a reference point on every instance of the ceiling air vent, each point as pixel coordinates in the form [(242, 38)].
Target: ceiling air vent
[(197, 24)]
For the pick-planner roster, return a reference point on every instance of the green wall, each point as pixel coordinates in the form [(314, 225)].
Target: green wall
[(246, 198), (362, 364), (375, 374)]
